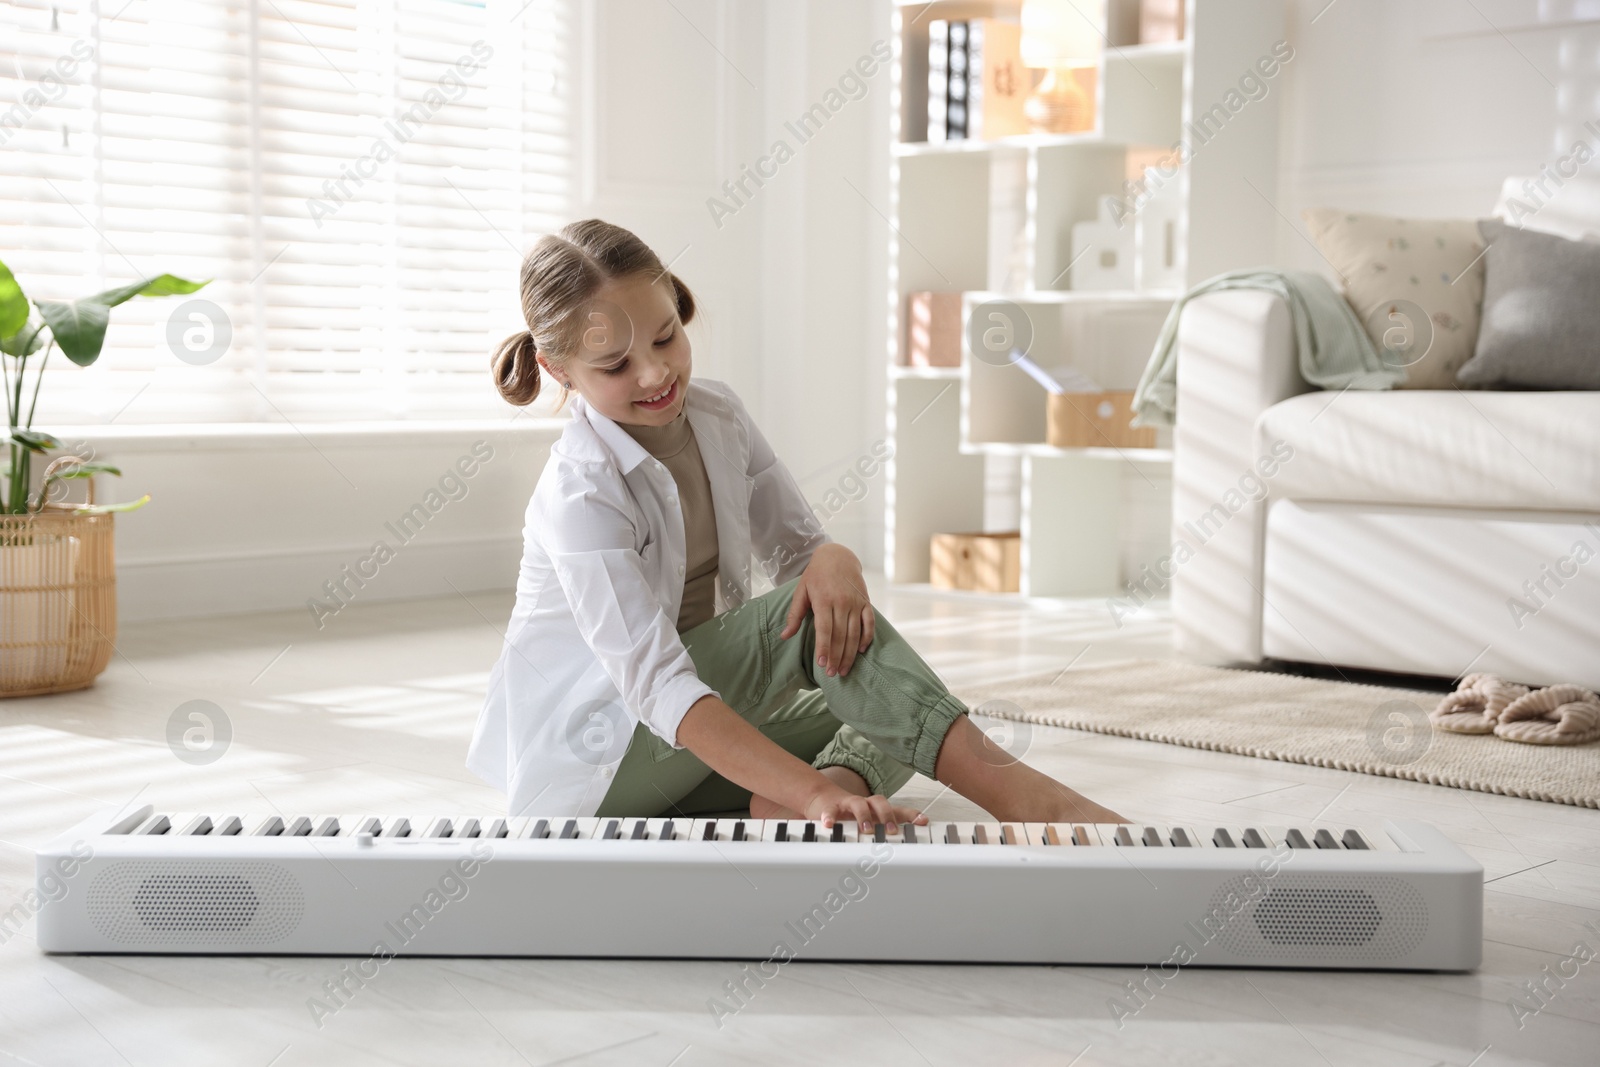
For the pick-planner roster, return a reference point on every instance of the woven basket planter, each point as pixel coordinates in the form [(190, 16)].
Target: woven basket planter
[(58, 601)]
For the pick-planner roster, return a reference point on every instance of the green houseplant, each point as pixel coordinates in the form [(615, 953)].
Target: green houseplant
[(57, 566), (78, 328)]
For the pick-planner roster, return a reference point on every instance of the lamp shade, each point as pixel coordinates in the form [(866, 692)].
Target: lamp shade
[(1062, 33)]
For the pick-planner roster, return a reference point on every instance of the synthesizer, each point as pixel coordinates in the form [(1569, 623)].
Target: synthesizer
[(1395, 896)]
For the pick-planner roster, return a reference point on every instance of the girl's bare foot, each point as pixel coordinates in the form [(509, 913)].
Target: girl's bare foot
[(1006, 788)]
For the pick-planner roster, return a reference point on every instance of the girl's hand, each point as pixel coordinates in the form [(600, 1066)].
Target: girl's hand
[(833, 589), (834, 804)]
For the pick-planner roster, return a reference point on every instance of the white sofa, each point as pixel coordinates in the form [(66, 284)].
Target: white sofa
[(1417, 531)]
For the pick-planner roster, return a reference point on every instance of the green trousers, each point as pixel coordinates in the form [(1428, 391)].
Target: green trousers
[(884, 720)]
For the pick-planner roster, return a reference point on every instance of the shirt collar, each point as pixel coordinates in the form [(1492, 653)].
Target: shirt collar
[(627, 452)]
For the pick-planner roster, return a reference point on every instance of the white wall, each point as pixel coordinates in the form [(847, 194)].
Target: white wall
[(1420, 108)]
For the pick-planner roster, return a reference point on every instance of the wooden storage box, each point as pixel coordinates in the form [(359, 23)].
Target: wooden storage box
[(1094, 420), (983, 562), (933, 330)]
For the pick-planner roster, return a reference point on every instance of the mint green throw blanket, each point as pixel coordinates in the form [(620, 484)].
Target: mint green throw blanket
[(1335, 351)]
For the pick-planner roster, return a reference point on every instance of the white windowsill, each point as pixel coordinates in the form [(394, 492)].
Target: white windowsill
[(251, 435)]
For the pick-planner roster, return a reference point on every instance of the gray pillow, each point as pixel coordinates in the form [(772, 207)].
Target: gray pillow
[(1541, 312)]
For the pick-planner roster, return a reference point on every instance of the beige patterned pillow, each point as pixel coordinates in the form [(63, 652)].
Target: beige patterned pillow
[(1416, 283)]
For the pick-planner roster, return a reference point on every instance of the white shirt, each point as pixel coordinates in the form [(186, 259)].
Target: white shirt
[(592, 648)]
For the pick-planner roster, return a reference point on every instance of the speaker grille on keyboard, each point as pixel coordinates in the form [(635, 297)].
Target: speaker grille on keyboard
[(1332, 917), (225, 903)]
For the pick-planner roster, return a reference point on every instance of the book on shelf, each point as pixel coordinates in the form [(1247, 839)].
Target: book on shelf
[(976, 81)]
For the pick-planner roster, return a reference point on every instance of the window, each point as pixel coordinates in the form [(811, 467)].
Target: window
[(360, 179)]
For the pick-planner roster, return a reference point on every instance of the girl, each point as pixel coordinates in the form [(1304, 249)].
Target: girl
[(639, 676)]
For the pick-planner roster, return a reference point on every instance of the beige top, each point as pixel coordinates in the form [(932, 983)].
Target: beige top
[(675, 446)]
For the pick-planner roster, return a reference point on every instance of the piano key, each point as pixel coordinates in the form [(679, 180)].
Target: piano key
[(270, 826), (498, 828), (300, 826), (326, 827), (781, 833), (1296, 839), (980, 834), (837, 833), (538, 829), (397, 827), (1323, 839), (809, 833), (1122, 836), (878, 833), (609, 830), (1222, 838), (1181, 838), (155, 824), (1052, 835), (468, 828), (370, 825), (952, 836), (1253, 838), (908, 833), (229, 826), (738, 831), (1008, 834), (1353, 839), (198, 826), (569, 830), (439, 827), (640, 828), (668, 832), (705, 829), (1152, 837), (1084, 835)]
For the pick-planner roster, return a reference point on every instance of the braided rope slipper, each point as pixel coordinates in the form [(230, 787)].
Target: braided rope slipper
[(1559, 715), (1476, 705)]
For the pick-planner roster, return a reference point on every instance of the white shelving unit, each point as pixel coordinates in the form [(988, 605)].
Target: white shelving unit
[(993, 220)]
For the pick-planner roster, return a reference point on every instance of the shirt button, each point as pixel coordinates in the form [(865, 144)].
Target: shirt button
[(680, 570), (606, 772), (672, 500)]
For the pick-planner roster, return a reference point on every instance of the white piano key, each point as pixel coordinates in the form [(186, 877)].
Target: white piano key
[(538, 829), (468, 827), (326, 826), (267, 826), (229, 826), (438, 827), (198, 826), (155, 824), (664, 829), (298, 826)]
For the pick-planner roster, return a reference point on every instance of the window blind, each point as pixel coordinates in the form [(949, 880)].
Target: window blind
[(359, 178)]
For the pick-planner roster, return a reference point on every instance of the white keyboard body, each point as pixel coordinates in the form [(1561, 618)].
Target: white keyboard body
[(1400, 896)]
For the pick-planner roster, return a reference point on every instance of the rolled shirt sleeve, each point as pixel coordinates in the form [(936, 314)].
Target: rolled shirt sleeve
[(592, 551)]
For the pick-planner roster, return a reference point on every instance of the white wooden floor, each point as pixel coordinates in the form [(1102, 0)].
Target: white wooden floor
[(374, 713)]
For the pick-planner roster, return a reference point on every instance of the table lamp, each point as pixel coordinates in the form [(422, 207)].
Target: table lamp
[(1060, 36)]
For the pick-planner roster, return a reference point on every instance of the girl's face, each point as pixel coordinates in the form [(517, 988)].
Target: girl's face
[(632, 365)]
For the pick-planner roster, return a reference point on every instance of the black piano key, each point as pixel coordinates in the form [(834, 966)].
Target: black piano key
[(1080, 835), (1222, 839), (810, 832), (980, 834), (838, 832), (301, 827), (783, 832), (711, 831), (1180, 838), (1253, 839), (1152, 836), (1296, 839), (878, 833), (908, 833), (611, 830), (1123, 837), (498, 828), (1324, 839), (667, 832), (638, 831), (951, 835), (570, 830), (1008, 836), (399, 828), (738, 830), (271, 828), (540, 829), (1353, 839)]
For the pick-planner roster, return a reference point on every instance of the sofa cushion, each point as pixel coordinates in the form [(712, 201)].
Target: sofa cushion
[(1416, 283), (1443, 448), (1541, 324)]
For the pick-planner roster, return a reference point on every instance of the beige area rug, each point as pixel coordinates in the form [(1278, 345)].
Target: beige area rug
[(1371, 729)]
